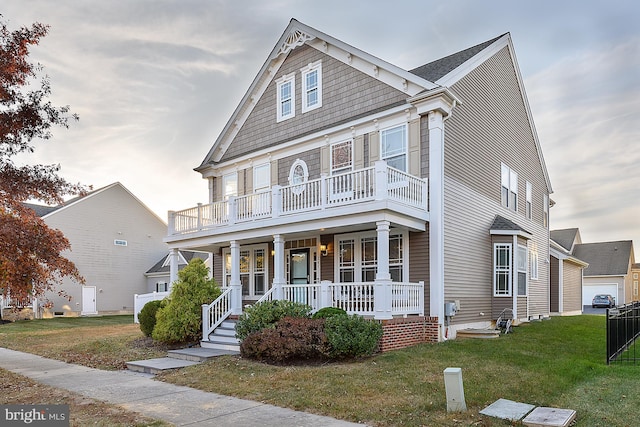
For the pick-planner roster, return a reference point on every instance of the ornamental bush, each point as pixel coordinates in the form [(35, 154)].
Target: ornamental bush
[(291, 338), (327, 312), (351, 336), (265, 315), (147, 316), (180, 321)]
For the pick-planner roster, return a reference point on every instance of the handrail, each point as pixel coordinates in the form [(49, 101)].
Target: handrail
[(215, 313)]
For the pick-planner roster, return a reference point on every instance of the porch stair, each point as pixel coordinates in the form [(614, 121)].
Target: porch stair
[(223, 338)]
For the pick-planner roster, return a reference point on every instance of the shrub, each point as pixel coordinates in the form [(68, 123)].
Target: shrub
[(265, 315), (147, 316), (352, 336), (292, 338), (180, 321), (327, 312)]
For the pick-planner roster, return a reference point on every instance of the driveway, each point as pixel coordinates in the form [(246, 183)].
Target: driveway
[(587, 309)]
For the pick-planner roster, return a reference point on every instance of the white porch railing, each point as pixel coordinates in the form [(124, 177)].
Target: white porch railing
[(139, 300), (379, 182), (354, 298), (215, 313)]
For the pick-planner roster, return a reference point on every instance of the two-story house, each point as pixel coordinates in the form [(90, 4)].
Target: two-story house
[(343, 180)]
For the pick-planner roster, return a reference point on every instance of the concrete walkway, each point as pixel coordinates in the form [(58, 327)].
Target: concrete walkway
[(182, 406)]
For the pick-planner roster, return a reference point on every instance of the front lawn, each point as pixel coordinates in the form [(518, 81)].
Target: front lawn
[(558, 363)]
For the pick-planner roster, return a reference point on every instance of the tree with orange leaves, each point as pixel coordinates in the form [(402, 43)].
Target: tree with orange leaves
[(30, 252)]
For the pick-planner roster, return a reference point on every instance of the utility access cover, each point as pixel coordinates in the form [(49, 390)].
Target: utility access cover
[(549, 417), (507, 410)]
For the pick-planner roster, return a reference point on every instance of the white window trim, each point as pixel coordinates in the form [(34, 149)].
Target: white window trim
[(525, 270), (509, 180), (260, 186), (251, 249), (508, 270), (406, 144), (358, 265), (331, 167), (315, 66), (533, 268), (289, 78), (529, 206), (545, 219), (225, 178)]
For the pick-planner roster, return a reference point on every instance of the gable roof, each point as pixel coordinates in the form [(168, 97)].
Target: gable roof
[(502, 225), (163, 266), (565, 238), (605, 258), (439, 68), (46, 211)]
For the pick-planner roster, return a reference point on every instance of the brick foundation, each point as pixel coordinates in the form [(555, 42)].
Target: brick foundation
[(405, 332)]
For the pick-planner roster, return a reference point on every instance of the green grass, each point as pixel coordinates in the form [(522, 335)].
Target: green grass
[(558, 363)]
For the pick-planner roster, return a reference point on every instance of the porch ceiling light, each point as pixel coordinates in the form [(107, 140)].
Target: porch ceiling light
[(323, 250)]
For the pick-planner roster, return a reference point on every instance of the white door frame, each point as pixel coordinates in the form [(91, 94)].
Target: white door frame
[(89, 300)]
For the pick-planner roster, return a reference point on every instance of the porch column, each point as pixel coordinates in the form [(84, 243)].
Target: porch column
[(173, 267), (436, 214), (278, 267), (382, 292), (235, 284)]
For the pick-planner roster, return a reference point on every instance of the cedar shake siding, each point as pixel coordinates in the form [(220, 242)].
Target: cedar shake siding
[(346, 94)]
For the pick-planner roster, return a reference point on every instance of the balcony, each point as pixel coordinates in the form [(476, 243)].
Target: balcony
[(369, 189)]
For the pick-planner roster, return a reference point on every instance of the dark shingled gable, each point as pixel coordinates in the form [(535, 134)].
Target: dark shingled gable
[(41, 210), (501, 223), (441, 67), (564, 238), (187, 255), (605, 258)]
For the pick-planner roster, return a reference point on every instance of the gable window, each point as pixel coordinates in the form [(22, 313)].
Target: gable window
[(285, 86), (261, 177), (529, 200), (311, 86), (522, 270), (341, 157), (502, 269), (509, 188), (394, 147)]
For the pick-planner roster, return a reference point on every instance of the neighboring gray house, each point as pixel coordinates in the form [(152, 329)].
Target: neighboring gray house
[(418, 197), (565, 273), (114, 238), (609, 270), (158, 276)]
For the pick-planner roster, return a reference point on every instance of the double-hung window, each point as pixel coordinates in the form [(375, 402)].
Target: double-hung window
[(509, 188), (311, 86), (545, 207), (393, 144), (286, 86), (502, 269), (229, 185), (522, 270), (529, 200)]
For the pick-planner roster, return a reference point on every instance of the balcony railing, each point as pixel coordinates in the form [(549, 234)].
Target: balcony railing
[(379, 182)]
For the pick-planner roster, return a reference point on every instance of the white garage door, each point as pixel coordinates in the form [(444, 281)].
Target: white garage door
[(589, 291)]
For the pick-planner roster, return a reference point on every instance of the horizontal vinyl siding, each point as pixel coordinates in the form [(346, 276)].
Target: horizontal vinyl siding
[(554, 285), (346, 93), (572, 290), (419, 263)]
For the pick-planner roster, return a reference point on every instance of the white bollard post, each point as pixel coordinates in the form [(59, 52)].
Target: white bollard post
[(454, 389)]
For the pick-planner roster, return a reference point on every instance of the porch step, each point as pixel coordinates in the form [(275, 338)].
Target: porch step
[(223, 338), (478, 333), (155, 366)]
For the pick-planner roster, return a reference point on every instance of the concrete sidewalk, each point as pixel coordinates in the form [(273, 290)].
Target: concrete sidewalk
[(182, 406)]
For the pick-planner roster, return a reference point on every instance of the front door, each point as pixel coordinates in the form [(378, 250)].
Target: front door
[(299, 264), (89, 300)]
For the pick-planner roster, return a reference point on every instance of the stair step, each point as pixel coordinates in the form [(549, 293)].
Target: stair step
[(478, 333), (220, 345), (223, 339), (225, 332), (155, 366), (198, 354)]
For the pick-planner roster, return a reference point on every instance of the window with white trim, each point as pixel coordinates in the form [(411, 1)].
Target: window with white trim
[(229, 185), (341, 157), (522, 270), (253, 269), (533, 261), (502, 269), (393, 147), (529, 200), (358, 257), (545, 207), (286, 94), (261, 177), (311, 86), (509, 187)]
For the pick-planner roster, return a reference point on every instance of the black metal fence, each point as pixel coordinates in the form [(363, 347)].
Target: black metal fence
[(623, 328)]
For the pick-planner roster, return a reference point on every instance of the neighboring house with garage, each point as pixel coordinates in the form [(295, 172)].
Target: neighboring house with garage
[(417, 197), (565, 273), (114, 239), (609, 270)]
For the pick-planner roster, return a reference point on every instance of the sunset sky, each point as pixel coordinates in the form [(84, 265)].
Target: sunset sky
[(154, 82)]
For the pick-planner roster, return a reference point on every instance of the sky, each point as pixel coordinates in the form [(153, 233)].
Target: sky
[(154, 83)]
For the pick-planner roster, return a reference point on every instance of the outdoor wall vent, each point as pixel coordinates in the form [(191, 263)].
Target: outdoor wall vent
[(120, 242)]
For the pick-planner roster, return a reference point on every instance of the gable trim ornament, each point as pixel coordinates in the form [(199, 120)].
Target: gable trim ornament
[(294, 39)]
